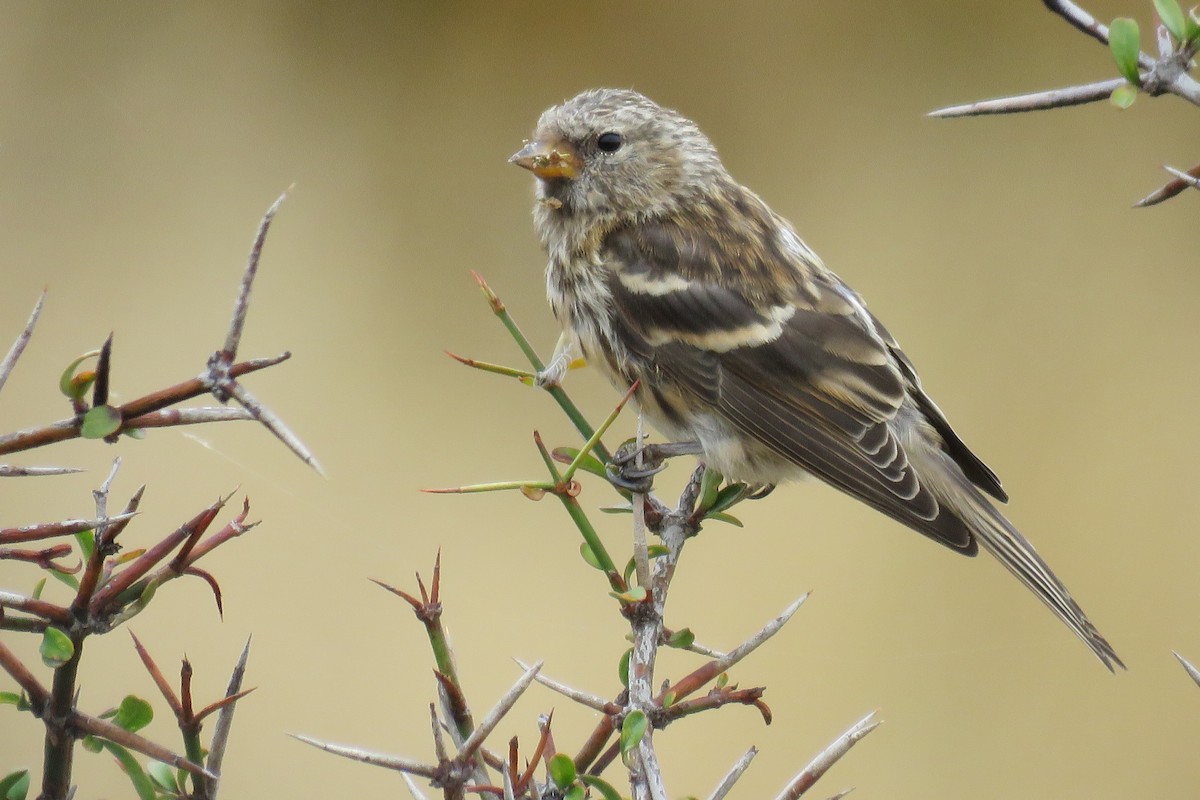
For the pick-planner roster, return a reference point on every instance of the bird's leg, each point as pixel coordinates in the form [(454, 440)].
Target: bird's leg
[(625, 473), (556, 368)]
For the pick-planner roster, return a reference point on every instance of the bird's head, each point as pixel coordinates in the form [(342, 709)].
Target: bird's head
[(613, 153)]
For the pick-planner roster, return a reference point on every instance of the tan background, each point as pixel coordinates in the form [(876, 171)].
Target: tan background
[(139, 143)]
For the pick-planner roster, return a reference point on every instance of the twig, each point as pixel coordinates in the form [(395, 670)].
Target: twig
[(18, 346), (706, 672), (51, 530), (367, 757), (489, 722), (1036, 101), (827, 758), (241, 305), (583, 698), (225, 722), (7, 471), (1086, 23), (732, 776), (1192, 672)]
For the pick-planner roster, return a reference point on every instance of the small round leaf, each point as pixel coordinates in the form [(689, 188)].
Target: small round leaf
[(99, 422), (133, 714), (562, 770), (1124, 40), (57, 648), (1123, 96), (589, 556), (633, 729)]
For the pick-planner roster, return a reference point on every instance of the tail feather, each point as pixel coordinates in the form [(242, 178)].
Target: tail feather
[(998, 536)]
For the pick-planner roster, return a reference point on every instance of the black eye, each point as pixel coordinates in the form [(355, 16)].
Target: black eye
[(609, 142)]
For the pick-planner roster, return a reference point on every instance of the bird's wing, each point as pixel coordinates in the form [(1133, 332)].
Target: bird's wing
[(803, 369)]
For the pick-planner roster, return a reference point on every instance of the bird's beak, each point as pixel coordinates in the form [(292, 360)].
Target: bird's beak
[(547, 160)]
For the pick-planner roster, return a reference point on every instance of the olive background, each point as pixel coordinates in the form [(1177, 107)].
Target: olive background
[(141, 142)]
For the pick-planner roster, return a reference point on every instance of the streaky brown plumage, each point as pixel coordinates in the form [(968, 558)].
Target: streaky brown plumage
[(665, 270)]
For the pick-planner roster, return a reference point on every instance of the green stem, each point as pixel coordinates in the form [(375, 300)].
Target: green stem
[(594, 440), (593, 541), (557, 392), (195, 754)]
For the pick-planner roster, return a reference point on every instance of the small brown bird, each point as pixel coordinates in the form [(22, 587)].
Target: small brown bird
[(664, 270)]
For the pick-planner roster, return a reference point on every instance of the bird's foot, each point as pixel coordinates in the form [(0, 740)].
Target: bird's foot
[(625, 471), (760, 491)]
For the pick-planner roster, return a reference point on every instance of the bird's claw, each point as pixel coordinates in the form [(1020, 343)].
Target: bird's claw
[(625, 472)]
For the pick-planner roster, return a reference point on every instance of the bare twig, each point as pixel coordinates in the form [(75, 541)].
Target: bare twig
[(18, 346), (732, 776), (220, 737), (367, 757), (8, 471), (1182, 180), (51, 530), (583, 698), (1036, 101), (1192, 672), (827, 758), (489, 722), (233, 337), (706, 672)]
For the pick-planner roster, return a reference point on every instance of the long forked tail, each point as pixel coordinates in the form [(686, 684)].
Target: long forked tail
[(998, 536)]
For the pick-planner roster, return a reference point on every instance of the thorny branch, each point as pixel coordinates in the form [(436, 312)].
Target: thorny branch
[(1166, 74)]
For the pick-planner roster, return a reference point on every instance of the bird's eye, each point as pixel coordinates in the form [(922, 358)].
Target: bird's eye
[(609, 142)]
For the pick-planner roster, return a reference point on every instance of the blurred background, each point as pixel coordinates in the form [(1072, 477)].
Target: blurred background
[(141, 142)]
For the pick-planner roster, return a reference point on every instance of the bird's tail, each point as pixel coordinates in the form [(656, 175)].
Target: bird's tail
[(998, 536)]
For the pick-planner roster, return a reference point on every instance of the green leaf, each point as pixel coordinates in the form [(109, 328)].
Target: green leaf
[(10, 699), (588, 463), (635, 595), (623, 668), (575, 792), (722, 680), (585, 550), (668, 699), (57, 648), (599, 784), (633, 728), (76, 386), (1124, 41), (562, 770), (92, 744), (1192, 26), (137, 776), (133, 714), (682, 638), (164, 776), (62, 577), (656, 550), (1123, 96), (99, 422), (726, 518), (135, 433), (87, 543), (1172, 17), (731, 495), (15, 785), (37, 589), (710, 485)]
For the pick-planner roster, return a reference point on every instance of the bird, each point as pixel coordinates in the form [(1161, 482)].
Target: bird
[(664, 271)]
